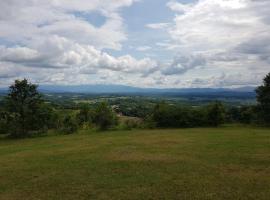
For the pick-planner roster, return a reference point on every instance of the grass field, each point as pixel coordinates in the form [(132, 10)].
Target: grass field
[(223, 163)]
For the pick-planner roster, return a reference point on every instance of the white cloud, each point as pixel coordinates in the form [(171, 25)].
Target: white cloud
[(158, 25), (219, 24), (179, 7), (182, 64), (144, 48), (58, 52), (18, 54), (63, 18), (230, 35), (228, 80), (53, 41)]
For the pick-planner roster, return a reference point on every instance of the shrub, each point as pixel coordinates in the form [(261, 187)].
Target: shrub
[(85, 115), (4, 122), (216, 114), (69, 125), (129, 124), (104, 117), (27, 111), (263, 98)]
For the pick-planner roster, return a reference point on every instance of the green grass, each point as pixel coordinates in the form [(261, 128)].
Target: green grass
[(223, 163)]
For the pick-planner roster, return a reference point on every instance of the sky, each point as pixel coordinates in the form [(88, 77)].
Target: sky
[(143, 43)]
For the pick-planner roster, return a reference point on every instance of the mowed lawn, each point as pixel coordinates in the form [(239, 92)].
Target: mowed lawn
[(222, 163)]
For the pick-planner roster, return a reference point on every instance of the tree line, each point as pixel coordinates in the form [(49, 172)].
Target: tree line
[(24, 113)]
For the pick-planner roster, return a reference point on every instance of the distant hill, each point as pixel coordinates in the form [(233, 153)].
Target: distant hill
[(122, 89), (130, 89)]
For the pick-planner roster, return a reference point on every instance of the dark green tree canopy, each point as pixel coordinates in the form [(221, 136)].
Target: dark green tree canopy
[(21, 95), (104, 116), (263, 98), (26, 108), (216, 114)]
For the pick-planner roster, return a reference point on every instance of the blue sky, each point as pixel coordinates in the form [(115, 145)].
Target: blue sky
[(136, 18), (145, 43)]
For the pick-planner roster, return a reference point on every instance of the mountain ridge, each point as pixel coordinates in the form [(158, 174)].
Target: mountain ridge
[(130, 89), (103, 88)]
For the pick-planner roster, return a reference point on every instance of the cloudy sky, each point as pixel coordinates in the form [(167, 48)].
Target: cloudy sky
[(146, 43)]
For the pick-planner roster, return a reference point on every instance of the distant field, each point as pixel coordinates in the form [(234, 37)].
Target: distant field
[(223, 163)]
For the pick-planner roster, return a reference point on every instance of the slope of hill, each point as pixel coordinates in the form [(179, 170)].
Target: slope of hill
[(206, 163)]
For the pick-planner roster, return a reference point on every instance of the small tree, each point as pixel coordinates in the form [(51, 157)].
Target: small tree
[(26, 108), (85, 114), (216, 114), (69, 125), (263, 98), (4, 122), (104, 116), (162, 115)]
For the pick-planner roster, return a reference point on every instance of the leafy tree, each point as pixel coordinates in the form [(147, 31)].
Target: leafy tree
[(4, 122), (27, 110), (69, 125), (247, 114), (216, 114), (162, 115), (197, 117), (233, 114), (85, 114), (104, 116), (165, 116), (263, 98)]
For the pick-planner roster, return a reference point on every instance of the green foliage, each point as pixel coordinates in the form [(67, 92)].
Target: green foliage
[(26, 108), (104, 117), (69, 125), (162, 115), (263, 98), (246, 114), (85, 114), (215, 114), (24, 111), (171, 116), (149, 122), (134, 107), (233, 115), (130, 123), (4, 122)]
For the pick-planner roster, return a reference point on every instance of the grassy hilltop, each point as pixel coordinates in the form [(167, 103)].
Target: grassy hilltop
[(204, 163)]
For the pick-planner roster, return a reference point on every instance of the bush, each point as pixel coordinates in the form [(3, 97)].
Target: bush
[(263, 99), (249, 115), (69, 125), (129, 124), (215, 114), (104, 117), (170, 116), (85, 115), (4, 122), (28, 112), (233, 115)]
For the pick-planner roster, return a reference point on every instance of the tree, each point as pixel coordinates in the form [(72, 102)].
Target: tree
[(69, 125), (247, 114), (104, 116), (216, 114), (162, 115), (4, 122), (263, 98), (85, 114), (26, 109)]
